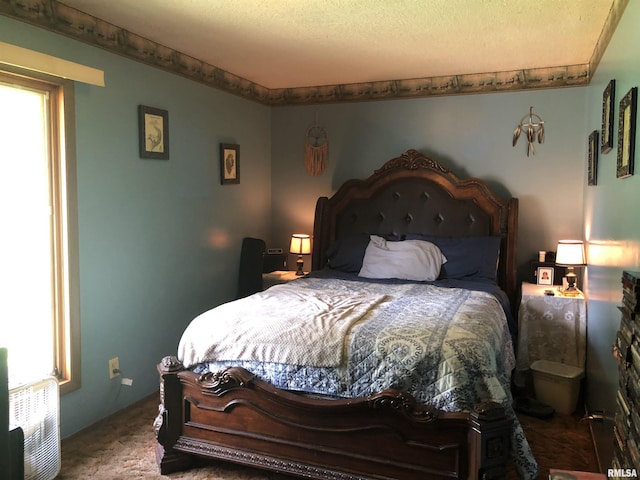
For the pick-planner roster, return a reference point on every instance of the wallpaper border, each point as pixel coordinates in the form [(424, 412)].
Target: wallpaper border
[(60, 18)]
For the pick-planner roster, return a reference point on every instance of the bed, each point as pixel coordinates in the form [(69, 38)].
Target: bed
[(378, 401)]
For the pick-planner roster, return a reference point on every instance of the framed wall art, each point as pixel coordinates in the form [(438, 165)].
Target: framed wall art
[(627, 133), (229, 163), (153, 125), (592, 159), (608, 104), (545, 275)]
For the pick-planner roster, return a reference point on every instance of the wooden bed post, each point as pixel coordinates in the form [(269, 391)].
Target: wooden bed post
[(489, 441), (511, 257), (320, 238), (168, 423)]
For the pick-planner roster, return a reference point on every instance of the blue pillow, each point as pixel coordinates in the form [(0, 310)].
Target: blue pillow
[(346, 253), (468, 258)]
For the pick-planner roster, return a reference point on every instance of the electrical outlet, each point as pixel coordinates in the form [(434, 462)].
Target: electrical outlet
[(114, 367)]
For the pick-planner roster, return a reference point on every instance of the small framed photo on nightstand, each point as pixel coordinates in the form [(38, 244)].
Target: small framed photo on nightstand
[(545, 276)]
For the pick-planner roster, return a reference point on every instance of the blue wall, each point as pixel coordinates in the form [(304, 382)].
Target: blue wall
[(611, 218), (159, 240), (472, 135)]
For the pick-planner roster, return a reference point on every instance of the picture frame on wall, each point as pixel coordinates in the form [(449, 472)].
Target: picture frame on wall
[(592, 159), (545, 276), (229, 163), (608, 105), (153, 126), (627, 133)]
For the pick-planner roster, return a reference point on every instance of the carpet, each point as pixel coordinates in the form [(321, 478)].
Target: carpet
[(123, 447)]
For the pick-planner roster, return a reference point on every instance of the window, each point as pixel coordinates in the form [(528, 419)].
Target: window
[(38, 246)]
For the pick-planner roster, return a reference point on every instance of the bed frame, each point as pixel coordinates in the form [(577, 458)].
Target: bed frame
[(232, 415)]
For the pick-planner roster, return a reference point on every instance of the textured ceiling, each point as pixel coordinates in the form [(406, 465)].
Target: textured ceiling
[(302, 43), (282, 52)]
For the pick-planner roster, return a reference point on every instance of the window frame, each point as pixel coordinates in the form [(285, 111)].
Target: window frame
[(64, 201)]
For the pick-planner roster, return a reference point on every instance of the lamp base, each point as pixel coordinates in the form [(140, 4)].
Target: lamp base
[(299, 264), (571, 292)]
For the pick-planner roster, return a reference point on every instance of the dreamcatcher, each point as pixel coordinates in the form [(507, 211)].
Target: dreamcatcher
[(316, 148), (533, 127)]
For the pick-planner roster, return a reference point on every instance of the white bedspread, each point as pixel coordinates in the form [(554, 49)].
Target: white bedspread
[(278, 325)]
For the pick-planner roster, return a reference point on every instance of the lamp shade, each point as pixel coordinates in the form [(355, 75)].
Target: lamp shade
[(571, 253), (300, 244)]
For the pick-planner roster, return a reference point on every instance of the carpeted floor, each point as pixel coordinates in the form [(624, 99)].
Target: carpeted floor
[(122, 447)]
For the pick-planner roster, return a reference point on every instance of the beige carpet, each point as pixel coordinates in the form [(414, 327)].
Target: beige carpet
[(123, 447)]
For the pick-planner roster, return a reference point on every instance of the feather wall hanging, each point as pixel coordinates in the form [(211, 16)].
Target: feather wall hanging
[(533, 127), (316, 149)]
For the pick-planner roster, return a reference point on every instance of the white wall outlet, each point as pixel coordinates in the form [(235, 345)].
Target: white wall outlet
[(114, 367)]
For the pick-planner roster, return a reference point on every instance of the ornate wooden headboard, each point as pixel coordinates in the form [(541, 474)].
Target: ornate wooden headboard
[(415, 194)]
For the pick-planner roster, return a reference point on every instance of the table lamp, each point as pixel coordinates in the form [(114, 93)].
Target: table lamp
[(570, 254), (300, 245)]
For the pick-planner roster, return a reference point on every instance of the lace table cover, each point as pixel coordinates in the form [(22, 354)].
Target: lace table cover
[(551, 327)]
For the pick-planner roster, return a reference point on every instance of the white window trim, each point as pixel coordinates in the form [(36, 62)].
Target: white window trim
[(49, 65)]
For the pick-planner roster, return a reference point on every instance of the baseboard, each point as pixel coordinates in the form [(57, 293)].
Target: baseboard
[(144, 399), (601, 428)]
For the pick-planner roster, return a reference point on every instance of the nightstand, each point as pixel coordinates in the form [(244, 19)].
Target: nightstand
[(551, 327), (279, 276)]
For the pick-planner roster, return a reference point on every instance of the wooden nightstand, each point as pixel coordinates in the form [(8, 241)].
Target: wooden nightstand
[(279, 276), (551, 327)]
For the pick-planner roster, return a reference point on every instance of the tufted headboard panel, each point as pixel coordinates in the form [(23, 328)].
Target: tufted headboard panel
[(415, 194), (410, 206)]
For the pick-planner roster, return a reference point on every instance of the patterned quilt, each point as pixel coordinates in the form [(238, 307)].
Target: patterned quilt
[(448, 347), (247, 329)]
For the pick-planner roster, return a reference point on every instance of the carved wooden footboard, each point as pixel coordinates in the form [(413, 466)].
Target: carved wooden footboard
[(233, 416)]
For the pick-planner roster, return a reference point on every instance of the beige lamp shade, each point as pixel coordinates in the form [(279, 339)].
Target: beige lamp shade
[(571, 253), (300, 244)]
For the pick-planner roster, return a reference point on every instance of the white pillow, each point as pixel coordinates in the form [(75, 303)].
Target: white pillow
[(406, 260)]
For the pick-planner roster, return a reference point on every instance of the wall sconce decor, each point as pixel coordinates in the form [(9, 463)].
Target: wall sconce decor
[(300, 245), (570, 254), (533, 127)]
